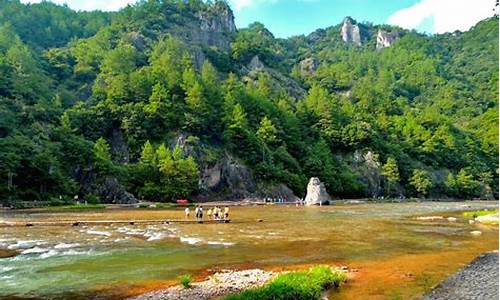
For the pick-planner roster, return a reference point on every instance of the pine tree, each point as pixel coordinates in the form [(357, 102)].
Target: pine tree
[(421, 181)]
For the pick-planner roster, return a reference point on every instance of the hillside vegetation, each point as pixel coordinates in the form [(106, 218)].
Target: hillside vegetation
[(166, 99)]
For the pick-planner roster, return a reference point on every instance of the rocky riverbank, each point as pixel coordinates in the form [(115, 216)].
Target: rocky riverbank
[(4, 253), (478, 280), (217, 285)]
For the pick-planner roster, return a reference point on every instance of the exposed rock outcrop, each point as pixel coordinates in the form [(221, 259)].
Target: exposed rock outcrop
[(308, 66), (279, 191), (228, 178), (368, 166), (119, 147), (111, 191), (316, 193), (351, 32), (256, 64), (215, 24), (279, 81), (386, 39)]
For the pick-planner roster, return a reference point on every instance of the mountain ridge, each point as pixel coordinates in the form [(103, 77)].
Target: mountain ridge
[(168, 99)]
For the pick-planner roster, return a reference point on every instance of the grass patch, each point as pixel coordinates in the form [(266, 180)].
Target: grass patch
[(185, 280), (478, 213), (298, 285), (165, 205), (79, 206)]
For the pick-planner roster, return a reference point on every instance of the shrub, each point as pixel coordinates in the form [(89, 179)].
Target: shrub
[(299, 285), (475, 214), (185, 280)]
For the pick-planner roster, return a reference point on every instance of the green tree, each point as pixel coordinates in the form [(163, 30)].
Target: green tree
[(391, 173), (267, 132), (148, 155), (102, 157), (466, 185), (421, 181)]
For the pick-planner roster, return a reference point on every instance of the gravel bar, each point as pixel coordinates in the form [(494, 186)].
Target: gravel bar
[(477, 281)]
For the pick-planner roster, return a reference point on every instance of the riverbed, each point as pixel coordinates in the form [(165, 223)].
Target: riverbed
[(391, 254)]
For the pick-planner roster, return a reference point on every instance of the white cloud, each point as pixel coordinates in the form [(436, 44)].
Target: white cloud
[(447, 15)]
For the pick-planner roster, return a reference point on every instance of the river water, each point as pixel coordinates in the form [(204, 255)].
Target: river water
[(393, 255)]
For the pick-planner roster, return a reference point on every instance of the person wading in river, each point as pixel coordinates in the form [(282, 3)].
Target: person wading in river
[(200, 213), (216, 213), (197, 212), (186, 213), (226, 212)]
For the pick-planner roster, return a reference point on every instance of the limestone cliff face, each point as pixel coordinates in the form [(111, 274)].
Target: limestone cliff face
[(386, 39), (229, 178), (210, 27), (216, 24), (351, 32)]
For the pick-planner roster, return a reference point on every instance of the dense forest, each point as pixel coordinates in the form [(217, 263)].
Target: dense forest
[(166, 99)]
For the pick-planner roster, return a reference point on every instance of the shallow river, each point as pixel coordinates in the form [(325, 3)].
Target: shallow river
[(391, 253)]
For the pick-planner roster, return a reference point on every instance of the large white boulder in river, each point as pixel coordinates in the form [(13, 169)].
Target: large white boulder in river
[(316, 192)]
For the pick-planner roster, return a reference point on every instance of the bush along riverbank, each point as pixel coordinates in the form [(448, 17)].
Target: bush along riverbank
[(255, 284), (307, 285)]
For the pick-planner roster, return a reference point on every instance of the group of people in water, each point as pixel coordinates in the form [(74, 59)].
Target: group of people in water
[(215, 213)]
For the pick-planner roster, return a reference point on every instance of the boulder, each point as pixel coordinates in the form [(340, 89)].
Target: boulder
[(111, 191), (316, 193)]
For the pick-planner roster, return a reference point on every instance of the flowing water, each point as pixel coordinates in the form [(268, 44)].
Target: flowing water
[(393, 255)]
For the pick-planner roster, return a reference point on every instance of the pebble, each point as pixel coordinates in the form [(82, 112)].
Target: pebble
[(476, 232)]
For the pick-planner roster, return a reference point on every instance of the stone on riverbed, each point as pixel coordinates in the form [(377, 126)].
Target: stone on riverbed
[(476, 233), (4, 253), (430, 218)]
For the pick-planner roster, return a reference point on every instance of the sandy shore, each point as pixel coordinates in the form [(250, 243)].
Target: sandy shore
[(217, 285), (478, 280)]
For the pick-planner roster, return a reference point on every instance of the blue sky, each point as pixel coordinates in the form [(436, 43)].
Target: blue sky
[(292, 17)]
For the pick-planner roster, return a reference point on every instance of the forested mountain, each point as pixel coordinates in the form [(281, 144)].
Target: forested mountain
[(167, 99)]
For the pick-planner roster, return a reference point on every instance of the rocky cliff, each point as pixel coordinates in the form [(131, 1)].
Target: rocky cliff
[(216, 26), (386, 39), (351, 32)]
